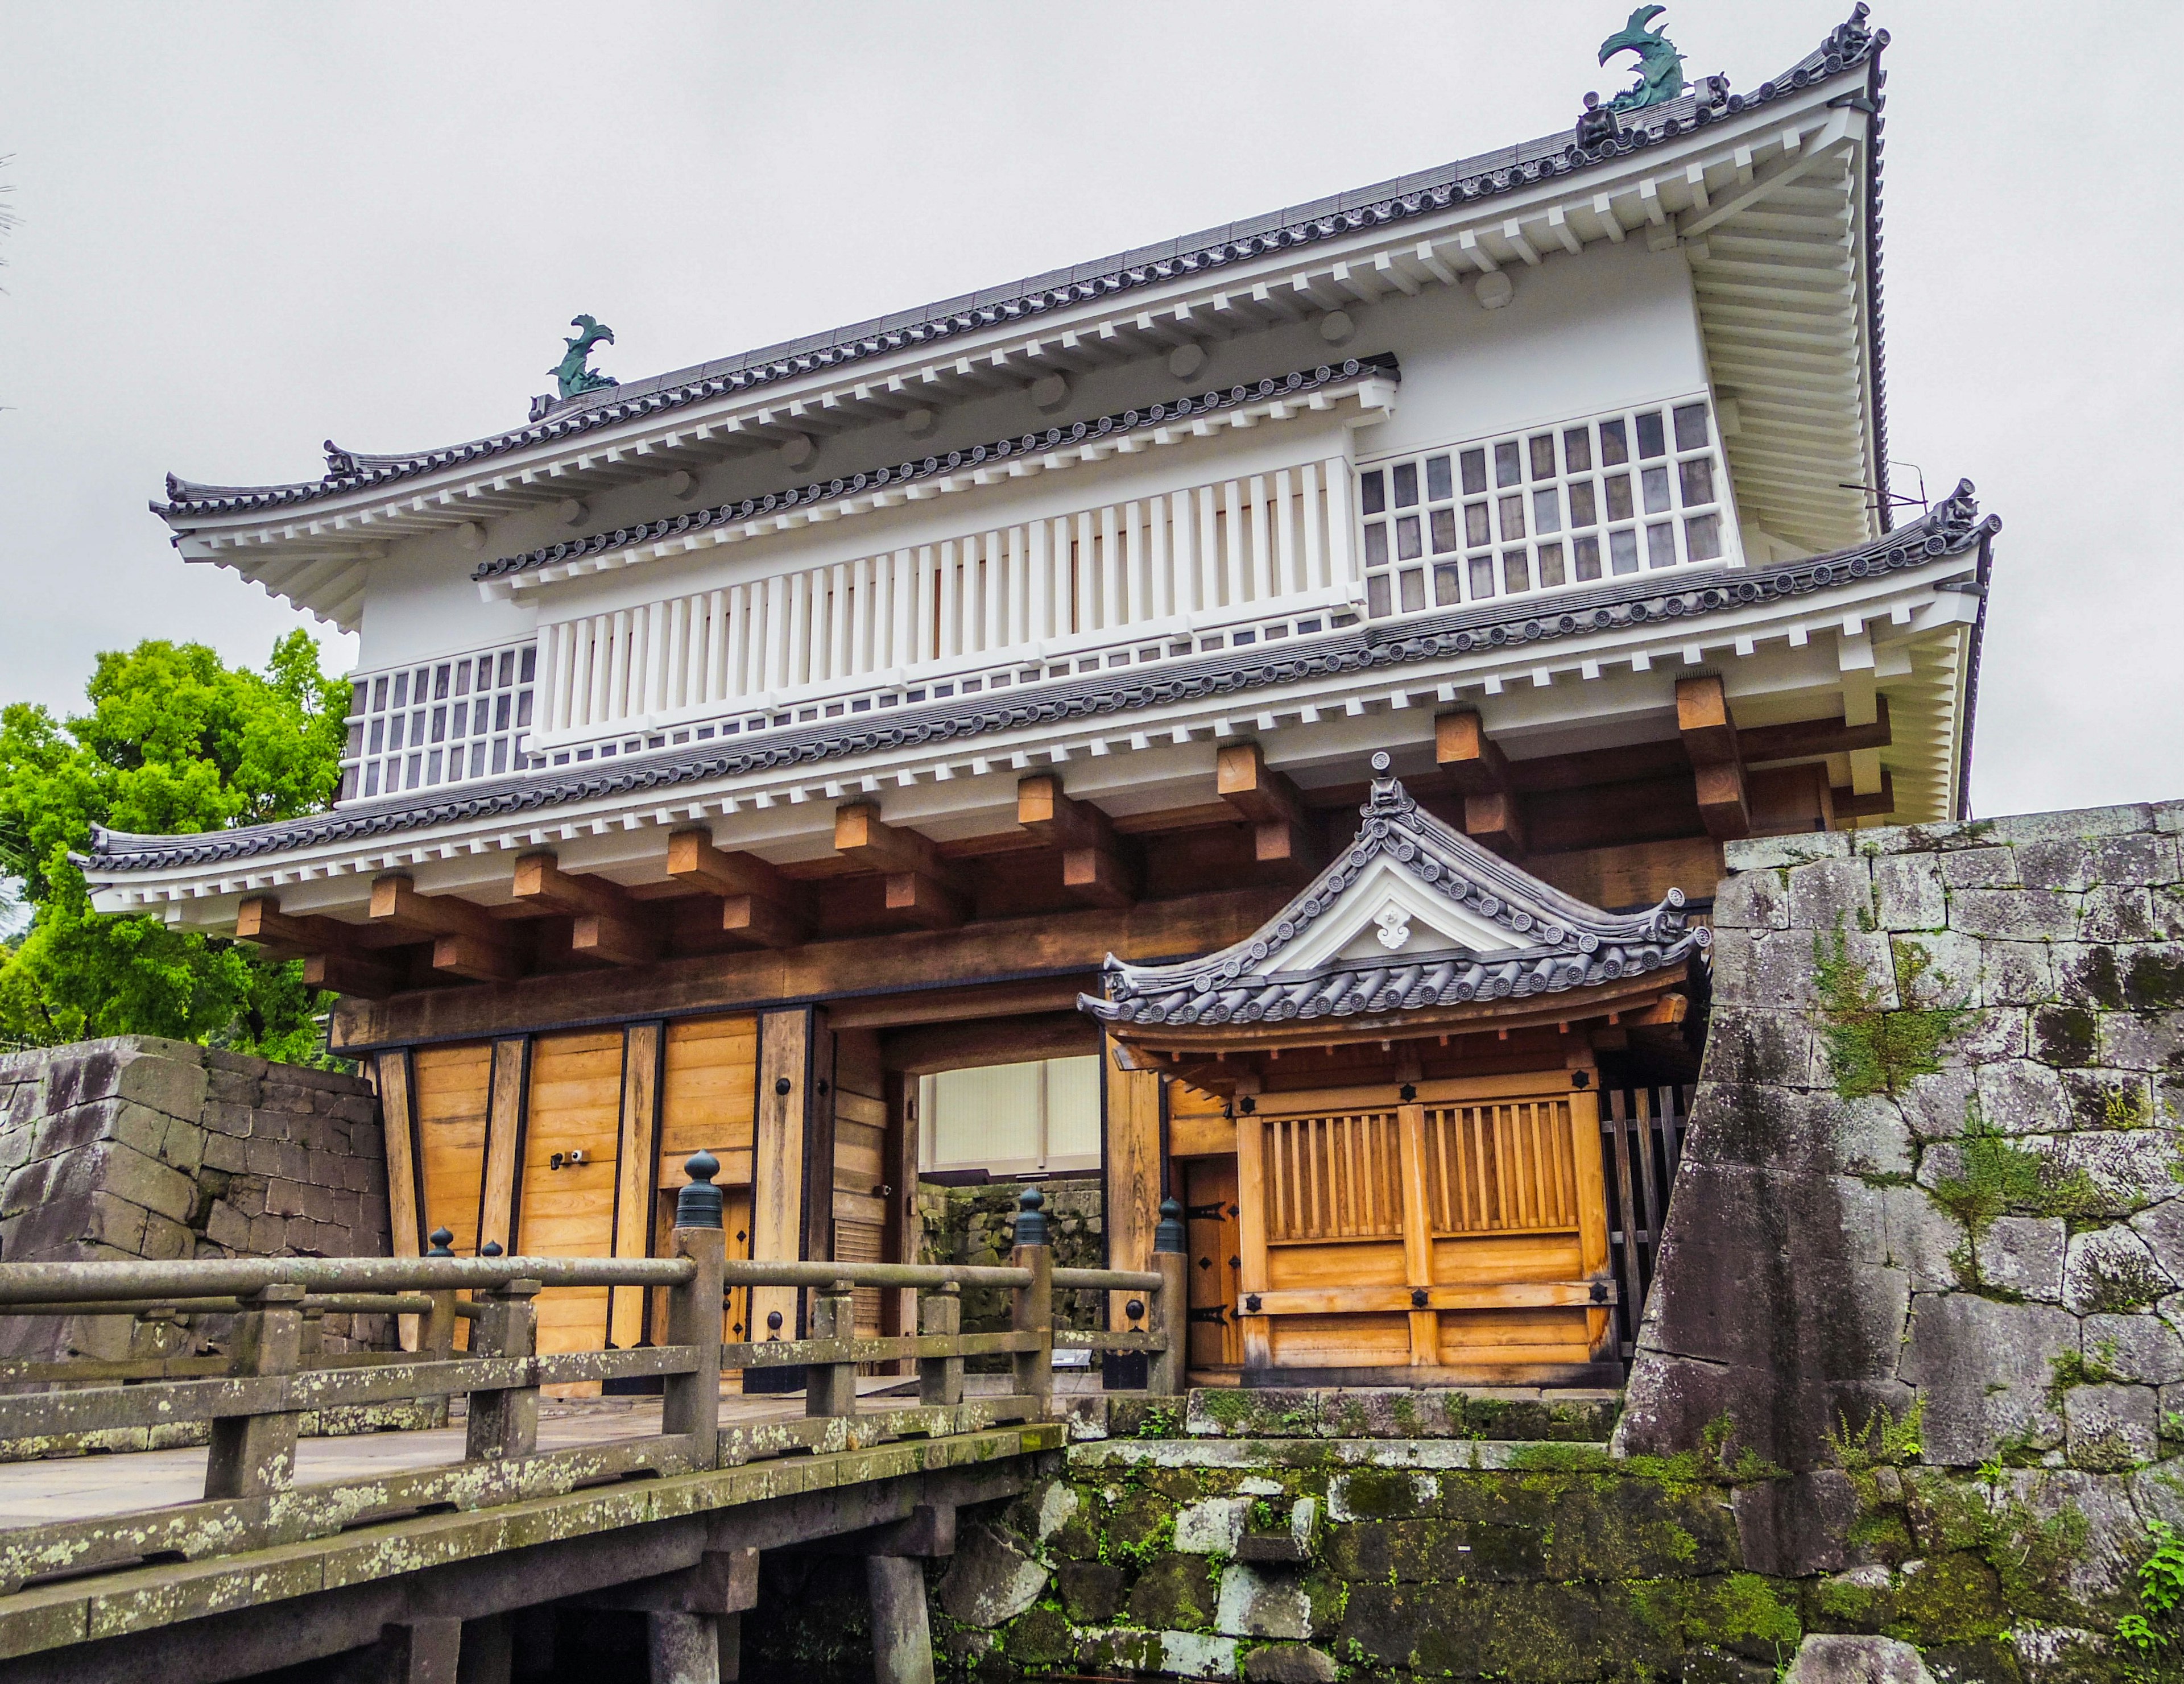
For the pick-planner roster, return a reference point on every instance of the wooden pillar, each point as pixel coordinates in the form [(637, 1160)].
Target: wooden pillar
[(902, 1640), (397, 1116), (1133, 1108), (779, 1172), (637, 1167), (1592, 1212), (504, 1142), (1417, 1233), (1252, 1239)]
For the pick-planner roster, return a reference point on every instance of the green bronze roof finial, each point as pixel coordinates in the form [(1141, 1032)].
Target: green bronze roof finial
[(571, 371), (1660, 66)]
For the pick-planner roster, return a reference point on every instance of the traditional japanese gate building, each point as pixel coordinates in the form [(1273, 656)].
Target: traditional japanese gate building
[(733, 751)]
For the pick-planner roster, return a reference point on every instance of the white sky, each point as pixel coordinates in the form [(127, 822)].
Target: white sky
[(248, 228)]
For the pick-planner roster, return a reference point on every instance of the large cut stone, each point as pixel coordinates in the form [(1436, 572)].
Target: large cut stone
[(1984, 1369), (1212, 1527), (2110, 1270), (2018, 1096), (1829, 893), (2111, 1427), (2024, 1255), (992, 1578), (1906, 892), (1257, 1604), (1289, 1663), (1830, 1657), (2144, 1349)]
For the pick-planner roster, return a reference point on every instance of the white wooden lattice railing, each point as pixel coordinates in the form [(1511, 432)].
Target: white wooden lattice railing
[(1222, 554)]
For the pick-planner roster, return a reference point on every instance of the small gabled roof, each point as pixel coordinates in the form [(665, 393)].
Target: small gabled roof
[(1413, 915)]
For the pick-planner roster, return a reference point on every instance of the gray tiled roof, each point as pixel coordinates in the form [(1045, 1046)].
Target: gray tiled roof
[(1848, 48), (1954, 526), (1298, 382), (1555, 942)]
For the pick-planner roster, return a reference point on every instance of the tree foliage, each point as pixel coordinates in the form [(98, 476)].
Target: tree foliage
[(173, 742)]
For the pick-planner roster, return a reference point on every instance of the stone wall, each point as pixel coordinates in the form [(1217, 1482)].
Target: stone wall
[(1301, 1537), (1935, 1161), (137, 1147), (978, 1225)]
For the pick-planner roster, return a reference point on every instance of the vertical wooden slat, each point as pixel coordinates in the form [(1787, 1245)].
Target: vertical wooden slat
[(1625, 1210), (1251, 1236), (1418, 1236), (634, 1170), (399, 1117), (1591, 1207), (1648, 1184)]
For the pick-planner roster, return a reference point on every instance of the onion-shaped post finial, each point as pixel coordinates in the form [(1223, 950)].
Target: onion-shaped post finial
[(442, 1238), (698, 1204), (1169, 1233), (1031, 1218)]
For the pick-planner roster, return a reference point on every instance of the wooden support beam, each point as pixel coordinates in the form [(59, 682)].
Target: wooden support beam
[(758, 906), (1283, 832), (609, 925), (476, 959), (1093, 870), (1709, 733), (915, 898), (921, 890), (349, 973), (1849, 804), (397, 907), (862, 835), (260, 920), (1805, 738), (1493, 812)]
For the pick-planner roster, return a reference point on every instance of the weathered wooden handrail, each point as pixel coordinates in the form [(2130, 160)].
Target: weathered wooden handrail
[(256, 1397)]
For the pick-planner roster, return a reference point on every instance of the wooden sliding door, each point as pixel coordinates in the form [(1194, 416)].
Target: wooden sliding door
[(1464, 1229), (453, 1099), (709, 1087), (565, 1201)]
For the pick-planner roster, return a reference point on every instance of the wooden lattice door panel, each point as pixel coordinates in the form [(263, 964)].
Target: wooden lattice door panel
[(860, 1168), (567, 1208), (1464, 1229)]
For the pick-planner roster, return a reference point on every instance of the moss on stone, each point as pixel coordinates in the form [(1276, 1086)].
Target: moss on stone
[(1174, 1594), (1871, 1048), (2066, 1035)]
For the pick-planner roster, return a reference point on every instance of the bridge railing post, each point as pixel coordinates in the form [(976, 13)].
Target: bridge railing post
[(830, 1388), (254, 1454), (1172, 1305), (436, 1336), (505, 1423), (1031, 1309), (940, 1315), (690, 1403)]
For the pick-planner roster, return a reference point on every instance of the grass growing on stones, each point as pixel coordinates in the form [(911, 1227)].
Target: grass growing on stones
[(2075, 1369), (1999, 1177), (1885, 1441), (1873, 1048)]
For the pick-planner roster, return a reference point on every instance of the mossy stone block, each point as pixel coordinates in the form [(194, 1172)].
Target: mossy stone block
[(1529, 1633), (1952, 1598), (1639, 1529), (1092, 1590), (1174, 1593), (1138, 1521), (1040, 1636)]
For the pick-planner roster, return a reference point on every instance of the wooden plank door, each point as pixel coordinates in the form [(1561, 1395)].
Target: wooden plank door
[(1209, 1194), (454, 1089), (708, 1101), (567, 1208)]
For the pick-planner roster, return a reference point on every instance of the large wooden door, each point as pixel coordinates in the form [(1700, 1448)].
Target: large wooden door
[(862, 1191), (1462, 1230), (1209, 1196), (566, 1207), (709, 1088)]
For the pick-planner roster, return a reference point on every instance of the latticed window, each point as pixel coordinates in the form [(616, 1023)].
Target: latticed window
[(1555, 506), (445, 722)]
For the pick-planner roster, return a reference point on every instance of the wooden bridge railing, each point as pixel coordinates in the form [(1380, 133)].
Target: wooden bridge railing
[(254, 1397)]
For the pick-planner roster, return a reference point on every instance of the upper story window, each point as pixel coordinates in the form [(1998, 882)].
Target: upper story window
[(1040, 1117), (1568, 504), (443, 722)]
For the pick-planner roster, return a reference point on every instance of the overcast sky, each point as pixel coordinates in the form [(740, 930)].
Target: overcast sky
[(248, 228)]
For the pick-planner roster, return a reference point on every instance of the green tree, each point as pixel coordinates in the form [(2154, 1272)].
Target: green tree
[(173, 742)]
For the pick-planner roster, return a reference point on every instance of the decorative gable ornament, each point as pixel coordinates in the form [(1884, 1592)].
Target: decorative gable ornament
[(1411, 915)]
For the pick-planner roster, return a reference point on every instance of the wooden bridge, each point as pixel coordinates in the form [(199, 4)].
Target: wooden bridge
[(395, 1556)]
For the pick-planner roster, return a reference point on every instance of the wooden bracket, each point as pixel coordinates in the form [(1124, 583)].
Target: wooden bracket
[(467, 940), (609, 924), (1493, 811), (327, 947), (920, 890), (758, 906), (1709, 734), (1093, 869), (1283, 832), (1849, 804)]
